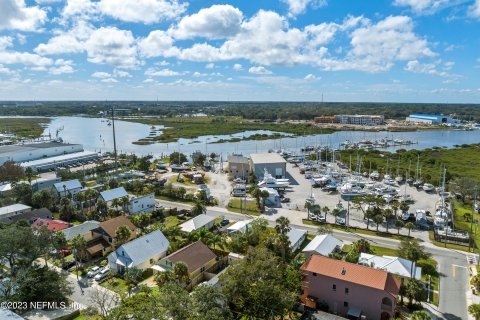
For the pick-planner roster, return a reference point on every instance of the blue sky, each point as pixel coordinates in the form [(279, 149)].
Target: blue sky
[(285, 50)]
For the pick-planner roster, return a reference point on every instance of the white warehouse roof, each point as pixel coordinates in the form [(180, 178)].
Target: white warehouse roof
[(263, 158)]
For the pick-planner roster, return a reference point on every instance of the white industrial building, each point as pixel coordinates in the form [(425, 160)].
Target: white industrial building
[(53, 163), (34, 151), (10, 211), (272, 162), (431, 119)]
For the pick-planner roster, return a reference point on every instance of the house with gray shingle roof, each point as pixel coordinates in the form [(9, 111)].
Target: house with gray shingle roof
[(141, 253)]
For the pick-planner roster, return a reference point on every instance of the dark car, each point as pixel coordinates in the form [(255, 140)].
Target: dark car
[(285, 200), (68, 264), (224, 222)]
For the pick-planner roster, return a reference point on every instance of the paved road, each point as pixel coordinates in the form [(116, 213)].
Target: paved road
[(452, 265)]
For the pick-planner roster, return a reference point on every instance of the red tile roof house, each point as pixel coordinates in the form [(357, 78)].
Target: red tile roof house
[(349, 289), (52, 225)]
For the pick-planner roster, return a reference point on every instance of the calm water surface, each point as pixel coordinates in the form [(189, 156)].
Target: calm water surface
[(96, 135)]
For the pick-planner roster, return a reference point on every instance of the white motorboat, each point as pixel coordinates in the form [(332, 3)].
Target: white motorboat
[(399, 179), (406, 198), (270, 182), (388, 198), (375, 175), (418, 183), (389, 182), (428, 187)]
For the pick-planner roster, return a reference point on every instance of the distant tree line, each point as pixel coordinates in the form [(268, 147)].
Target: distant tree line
[(249, 110)]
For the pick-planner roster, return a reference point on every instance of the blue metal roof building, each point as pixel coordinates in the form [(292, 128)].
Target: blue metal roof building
[(430, 118)]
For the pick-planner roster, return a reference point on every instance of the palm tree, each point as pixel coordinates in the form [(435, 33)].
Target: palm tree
[(204, 235), (264, 194), (326, 210), (162, 278), (283, 227), (256, 193), (399, 224), (378, 219), (420, 315), (29, 173), (122, 234), (124, 202), (214, 240), (198, 208), (79, 245), (409, 225), (116, 203), (395, 205), (180, 269), (81, 197), (388, 214), (133, 276), (102, 206)]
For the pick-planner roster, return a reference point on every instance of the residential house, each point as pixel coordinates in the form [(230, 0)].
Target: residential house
[(239, 227), (30, 216), (67, 188), (8, 214), (52, 225), (198, 258), (296, 237), (142, 204), (39, 184), (84, 229), (109, 195), (322, 245), (348, 289), (200, 221), (141, 253), (108, 230), (273, 199), (399, 266)]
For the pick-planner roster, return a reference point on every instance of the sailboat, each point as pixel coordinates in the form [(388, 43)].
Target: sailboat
[(398, 178), (409, 179), (418, 180)]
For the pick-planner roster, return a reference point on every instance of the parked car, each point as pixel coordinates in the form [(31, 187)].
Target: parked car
[(224, 222), (102, 274), (93, 272), (65, 252), (409, 216), (68, 264)]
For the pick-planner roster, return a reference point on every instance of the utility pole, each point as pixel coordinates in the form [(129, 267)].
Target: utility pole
[(114, 139)]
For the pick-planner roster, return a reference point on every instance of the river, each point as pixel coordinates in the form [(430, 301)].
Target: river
[(96, 135)]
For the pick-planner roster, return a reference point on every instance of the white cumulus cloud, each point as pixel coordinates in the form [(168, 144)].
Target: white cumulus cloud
[(215, 22), (14, 14), (109, 45), (259, 70), (145, 11)]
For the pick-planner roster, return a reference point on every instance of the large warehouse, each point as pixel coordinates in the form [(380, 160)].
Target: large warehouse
[(34, 151), (430, 119), (273, 162), (50, 163)]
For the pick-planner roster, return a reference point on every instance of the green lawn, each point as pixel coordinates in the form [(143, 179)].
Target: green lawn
[(116, 284), (252, 209), (369, 232), (190, 202), (171, 221), (449, 245), (24, 127)]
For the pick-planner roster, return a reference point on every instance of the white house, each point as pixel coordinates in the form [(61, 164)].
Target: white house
[(273, 197), (109, 195), (399, 266), (142, 204), (322, 245), (67, 188), (141, 253), (200, 221), (239, 226), (296, 237)]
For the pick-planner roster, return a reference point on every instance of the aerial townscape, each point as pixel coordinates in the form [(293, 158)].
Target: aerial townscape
[(239, 160)]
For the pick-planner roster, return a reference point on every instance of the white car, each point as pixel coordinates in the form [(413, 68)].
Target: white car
[(93, 271), (102, 274)]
